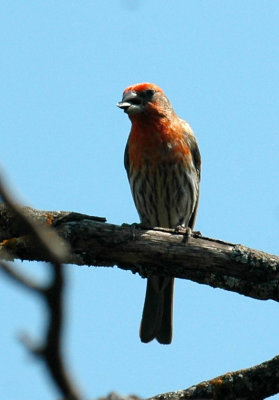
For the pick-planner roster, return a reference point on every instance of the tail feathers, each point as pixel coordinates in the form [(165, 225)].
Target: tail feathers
[(157, 312), (164, 335)]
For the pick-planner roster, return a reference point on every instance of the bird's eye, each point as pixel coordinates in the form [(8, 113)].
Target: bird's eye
[(135, 101), (150, 92)]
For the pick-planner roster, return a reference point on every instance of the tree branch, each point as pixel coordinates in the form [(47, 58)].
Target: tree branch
[(158, 251)]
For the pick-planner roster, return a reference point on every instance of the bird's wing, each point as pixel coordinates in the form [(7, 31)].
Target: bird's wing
[(126, 158), (196, 156)]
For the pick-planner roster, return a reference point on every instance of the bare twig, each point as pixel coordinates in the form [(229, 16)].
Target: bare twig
[(49, 244)]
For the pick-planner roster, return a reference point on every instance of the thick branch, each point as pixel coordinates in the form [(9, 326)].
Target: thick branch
[(149, 252)]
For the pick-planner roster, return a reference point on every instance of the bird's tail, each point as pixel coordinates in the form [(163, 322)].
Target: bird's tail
[(156, 320)]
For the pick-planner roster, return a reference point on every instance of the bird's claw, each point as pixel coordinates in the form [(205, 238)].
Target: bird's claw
[(188, 234), (180, 229)]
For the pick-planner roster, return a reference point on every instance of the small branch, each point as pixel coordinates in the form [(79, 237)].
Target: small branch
[(53, 248), (204, 260)]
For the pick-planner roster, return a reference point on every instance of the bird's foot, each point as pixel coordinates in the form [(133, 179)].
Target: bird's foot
[(180, 229), (187, 233)]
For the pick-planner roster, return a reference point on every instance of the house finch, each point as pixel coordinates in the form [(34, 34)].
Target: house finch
[(163, 164)]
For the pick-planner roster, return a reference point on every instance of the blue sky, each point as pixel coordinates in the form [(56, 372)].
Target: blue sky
[(64, 65)]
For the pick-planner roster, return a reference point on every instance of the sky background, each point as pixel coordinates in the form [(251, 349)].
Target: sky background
[(63, 67)]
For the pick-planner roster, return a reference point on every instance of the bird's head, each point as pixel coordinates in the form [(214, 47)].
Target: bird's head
[(144, 98)]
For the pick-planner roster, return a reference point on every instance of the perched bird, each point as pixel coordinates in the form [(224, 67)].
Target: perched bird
[(163, 165)]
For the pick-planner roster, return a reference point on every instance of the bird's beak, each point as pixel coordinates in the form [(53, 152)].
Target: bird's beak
[(129, 99), (124, 105)]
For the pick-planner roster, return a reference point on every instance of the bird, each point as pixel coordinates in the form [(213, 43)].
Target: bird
[(163, 165)]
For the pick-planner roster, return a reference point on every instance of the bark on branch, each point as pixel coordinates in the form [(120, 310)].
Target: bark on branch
[(159, 251)]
